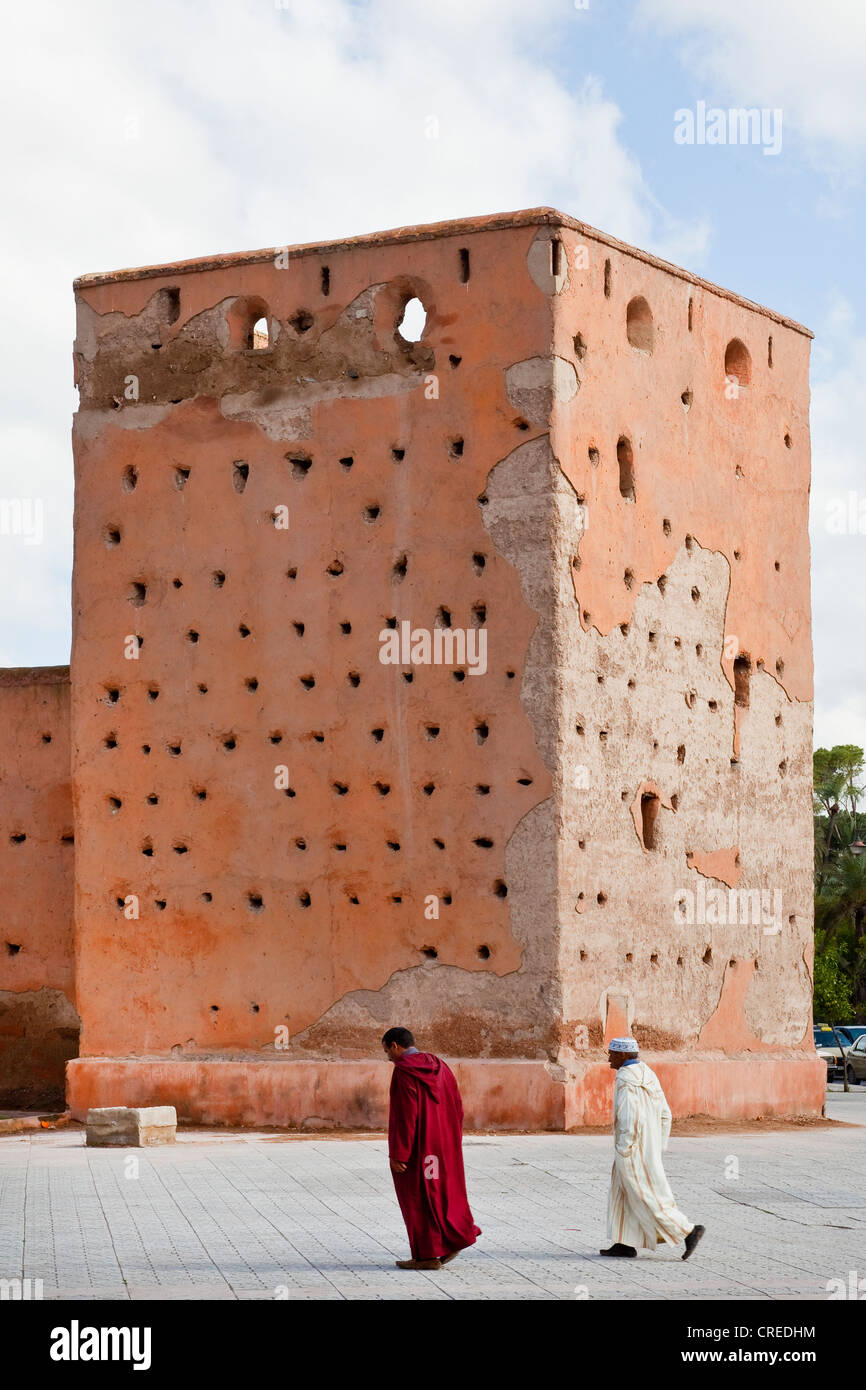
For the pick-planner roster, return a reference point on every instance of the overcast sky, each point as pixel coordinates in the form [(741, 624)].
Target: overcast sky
[(135, 134)]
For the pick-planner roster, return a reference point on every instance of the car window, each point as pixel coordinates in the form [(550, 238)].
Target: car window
[(860, 1044)]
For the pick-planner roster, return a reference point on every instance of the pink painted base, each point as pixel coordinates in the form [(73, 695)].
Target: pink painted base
[(497, 1095)]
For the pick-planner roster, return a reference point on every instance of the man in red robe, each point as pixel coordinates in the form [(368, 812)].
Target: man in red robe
[(425, 1147)]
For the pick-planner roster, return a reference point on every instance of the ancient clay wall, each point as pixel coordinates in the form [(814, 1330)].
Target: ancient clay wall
[(287, 845), (245, 531), (38, 1021), (685, 643)]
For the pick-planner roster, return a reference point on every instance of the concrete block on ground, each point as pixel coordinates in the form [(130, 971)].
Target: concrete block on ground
[(116, 1126)]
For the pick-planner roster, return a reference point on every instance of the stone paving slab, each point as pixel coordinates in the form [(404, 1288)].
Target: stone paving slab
[(245, 1216)]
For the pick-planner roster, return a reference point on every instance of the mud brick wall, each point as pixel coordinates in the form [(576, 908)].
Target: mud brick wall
[(378, 879), (38, 1021), (597, 460)]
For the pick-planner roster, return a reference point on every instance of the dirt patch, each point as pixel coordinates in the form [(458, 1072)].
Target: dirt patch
[(696, 1126)]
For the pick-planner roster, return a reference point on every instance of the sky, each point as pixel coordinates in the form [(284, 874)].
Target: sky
[(134, 135)]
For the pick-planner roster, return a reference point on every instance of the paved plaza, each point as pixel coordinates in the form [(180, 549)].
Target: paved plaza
[(271, 1216)]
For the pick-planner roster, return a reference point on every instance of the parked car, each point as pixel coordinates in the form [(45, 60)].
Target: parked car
[(829, 1047), (849, 1033), (855, 1059)]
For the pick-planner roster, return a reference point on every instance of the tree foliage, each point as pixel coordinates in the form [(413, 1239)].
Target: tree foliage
[(840, 885)]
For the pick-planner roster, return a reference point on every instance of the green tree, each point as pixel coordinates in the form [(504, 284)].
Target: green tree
[(832, 999), (840, 884)]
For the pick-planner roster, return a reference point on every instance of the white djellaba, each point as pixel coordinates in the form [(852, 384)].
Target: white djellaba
[(641, 1209)]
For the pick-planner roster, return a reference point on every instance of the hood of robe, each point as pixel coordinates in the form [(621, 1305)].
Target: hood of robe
[(639, 1075), (426, 1068)]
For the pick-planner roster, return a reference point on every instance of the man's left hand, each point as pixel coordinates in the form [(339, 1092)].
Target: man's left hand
[(397, 1167)]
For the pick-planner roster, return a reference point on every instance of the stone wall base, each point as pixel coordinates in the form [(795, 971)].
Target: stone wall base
[(497, 1095)]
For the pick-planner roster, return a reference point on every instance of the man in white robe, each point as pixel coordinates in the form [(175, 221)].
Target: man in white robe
[(641, 1211)]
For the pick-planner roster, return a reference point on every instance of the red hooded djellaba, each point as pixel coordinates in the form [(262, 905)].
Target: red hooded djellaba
[(425, 1131)]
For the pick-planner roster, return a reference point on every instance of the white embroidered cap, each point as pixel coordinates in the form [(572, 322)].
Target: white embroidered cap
[(622, 1045)]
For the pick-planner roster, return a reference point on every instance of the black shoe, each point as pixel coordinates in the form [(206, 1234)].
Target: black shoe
[(692, 1239), (624, 1252)]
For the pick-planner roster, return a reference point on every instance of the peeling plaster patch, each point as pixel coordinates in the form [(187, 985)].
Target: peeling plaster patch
[(285, 414), (540, 261), (532, 386), (723, 864), (727, 1027), (339, 354), (88, 424), (95, 331), (616, 1008)]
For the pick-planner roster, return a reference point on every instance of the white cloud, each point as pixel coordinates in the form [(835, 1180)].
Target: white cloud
[(146, 134), (839, 561), (806, 58)]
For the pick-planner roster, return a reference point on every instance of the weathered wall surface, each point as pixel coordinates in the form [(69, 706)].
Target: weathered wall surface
[(38, 1021), (697, 557), (256, 646), (280, 837)]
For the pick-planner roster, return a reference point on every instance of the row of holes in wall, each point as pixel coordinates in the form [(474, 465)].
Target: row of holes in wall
[(299, 466), (410, 326), (640, 326), (255, 902), (640, 331), (625, 462), (706, 957)]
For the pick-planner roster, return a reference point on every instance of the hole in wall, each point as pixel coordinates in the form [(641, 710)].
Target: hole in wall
[(579, 347), (625, 459), (259, 339), (738, 362), (464, 265), (240, 475), (639, 324), (413, 321), (302, 321), (742, 677), (129, 479), (607, 279)]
